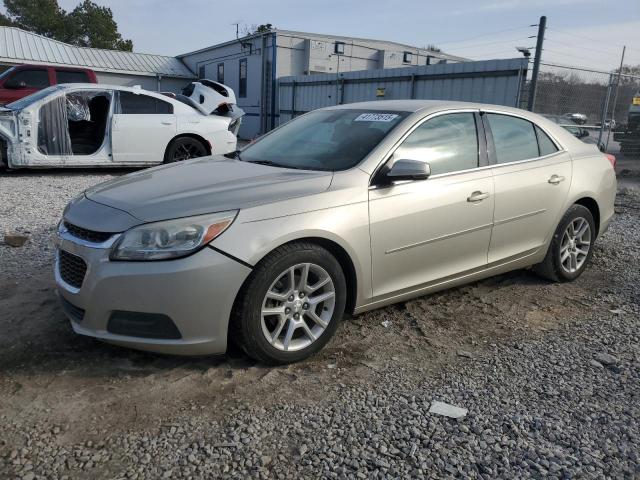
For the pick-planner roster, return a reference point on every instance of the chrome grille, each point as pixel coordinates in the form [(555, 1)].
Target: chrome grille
[(72, 268), (87, 235)]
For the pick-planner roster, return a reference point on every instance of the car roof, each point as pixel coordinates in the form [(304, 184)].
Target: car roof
[(23, 66), (424, 106), (102, 86)]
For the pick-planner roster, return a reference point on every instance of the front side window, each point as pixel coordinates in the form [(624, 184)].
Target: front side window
[(139, 104), (514, 138), (71, 76), (221, 73), (329, 140), (31, 78), (448, 143), (242, 84)]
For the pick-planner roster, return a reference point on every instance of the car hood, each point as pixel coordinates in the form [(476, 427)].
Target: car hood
[(204, 185)]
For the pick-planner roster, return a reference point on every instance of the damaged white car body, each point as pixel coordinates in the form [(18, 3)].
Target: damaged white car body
[(89, 125)]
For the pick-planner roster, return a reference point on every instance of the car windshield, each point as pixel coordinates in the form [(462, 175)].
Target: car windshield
[(327, 140), (34, 97)]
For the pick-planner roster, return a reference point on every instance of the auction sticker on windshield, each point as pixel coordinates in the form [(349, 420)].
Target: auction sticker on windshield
[(376, 117)]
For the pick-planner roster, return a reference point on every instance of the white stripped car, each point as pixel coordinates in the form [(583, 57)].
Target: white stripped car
[(347, 208), (89, 125)]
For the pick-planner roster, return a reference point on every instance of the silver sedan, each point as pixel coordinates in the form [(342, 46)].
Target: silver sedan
[(347, 208)]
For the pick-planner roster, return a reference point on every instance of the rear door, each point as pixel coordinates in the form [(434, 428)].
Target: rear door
[(142, 128), (532, 176)]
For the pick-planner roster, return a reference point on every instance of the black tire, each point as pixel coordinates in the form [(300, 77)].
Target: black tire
[(246, 327), (184, 148), (551, 267)]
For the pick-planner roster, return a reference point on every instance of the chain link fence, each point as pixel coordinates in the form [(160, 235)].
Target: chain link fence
[(595, 106)]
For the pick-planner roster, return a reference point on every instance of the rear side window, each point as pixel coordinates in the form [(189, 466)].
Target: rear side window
[(138, 104), (31, 78), (70, 76), (514, 138), (448, 143), (545, 144)]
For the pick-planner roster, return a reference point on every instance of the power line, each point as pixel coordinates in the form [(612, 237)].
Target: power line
[(489, 43), (573, 45), (579, 57), (501, 52), (483, 35), (590, 39)]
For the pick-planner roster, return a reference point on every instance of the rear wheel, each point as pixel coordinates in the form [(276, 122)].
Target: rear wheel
[(184, 148), (291, 305), (571, 246)]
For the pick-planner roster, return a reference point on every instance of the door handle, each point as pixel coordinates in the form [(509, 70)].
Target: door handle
[(477, 196), (556, 179), (166, 122)]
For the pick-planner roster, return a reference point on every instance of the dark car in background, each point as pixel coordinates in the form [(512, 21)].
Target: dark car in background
[(569, 125), (22, 80)]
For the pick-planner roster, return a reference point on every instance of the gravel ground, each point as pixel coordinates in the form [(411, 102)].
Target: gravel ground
[(549, 373)]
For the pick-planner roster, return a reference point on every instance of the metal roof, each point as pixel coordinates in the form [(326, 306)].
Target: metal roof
[(377, 44), (20, 46)]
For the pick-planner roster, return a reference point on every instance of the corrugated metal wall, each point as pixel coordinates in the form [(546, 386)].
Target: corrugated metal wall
[(491, 81)]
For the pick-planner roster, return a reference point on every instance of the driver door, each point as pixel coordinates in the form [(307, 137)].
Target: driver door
[(24, 82), (429, 230)]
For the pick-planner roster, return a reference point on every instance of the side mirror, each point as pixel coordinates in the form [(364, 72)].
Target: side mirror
[(14, 84), (405, 169)]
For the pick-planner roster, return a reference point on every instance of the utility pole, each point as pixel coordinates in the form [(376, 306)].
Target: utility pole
[(615, 97), (542, 26), (237, 24)]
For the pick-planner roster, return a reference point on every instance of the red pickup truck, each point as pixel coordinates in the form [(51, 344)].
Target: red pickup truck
[(23, 80)]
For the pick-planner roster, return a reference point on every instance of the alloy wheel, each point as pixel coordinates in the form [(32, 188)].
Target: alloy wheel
[(575, 245), (187, 150), (298, 307)]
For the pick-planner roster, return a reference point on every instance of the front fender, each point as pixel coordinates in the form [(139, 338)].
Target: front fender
[(347, 226)]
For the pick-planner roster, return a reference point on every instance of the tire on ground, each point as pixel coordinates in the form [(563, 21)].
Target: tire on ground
[(551, 267), (187, 147), (246, 327)]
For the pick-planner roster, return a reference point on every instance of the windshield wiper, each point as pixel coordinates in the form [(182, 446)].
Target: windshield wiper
[(268, 163), (234, 154)]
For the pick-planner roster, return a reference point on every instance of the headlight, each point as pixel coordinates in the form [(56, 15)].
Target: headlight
[(172, 238)]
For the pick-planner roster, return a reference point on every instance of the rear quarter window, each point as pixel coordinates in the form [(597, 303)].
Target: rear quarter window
[(545, 144)]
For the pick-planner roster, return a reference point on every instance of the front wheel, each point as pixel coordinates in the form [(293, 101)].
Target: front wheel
[(571, 246), (291, 305), (184, 148)]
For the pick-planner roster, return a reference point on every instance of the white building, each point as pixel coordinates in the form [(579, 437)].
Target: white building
[(250, 65)]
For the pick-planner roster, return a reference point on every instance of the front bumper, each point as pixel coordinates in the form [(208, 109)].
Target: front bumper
[(196, 293)]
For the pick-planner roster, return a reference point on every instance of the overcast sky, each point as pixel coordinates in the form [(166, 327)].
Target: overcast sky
[(586, 33)]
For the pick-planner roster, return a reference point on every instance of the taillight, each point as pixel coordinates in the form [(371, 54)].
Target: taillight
[(611, 158)]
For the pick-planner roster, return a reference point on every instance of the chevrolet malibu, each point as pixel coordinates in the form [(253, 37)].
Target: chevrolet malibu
[(347, 208)]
